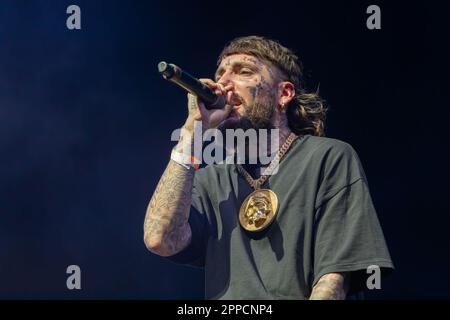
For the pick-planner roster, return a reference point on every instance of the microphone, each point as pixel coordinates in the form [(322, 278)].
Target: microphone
[(175, 74)]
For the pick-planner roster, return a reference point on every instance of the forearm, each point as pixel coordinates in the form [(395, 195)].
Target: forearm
[(331, 286), (166, 227)]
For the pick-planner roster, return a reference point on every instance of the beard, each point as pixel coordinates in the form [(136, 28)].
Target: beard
[(256, 116)]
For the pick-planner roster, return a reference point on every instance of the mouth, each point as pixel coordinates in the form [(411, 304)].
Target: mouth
[(236, 112)]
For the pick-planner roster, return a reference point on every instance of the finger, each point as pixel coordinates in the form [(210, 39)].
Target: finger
[(229, 97), (222, 88), (213, 85), (228, 91), (218, 89), (201, 108), (229, 87), (210, 83)]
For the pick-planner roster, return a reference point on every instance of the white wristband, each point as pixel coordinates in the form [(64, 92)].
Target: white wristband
[(183, 159)]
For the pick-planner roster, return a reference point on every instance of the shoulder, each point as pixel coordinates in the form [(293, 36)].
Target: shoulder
[(328, 148), (336, 160)]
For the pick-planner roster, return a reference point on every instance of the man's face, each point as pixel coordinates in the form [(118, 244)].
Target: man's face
[(255, 90)]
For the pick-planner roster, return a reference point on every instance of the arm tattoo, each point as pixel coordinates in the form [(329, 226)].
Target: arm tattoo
[(192, 103), (332, 286), (166, 221)]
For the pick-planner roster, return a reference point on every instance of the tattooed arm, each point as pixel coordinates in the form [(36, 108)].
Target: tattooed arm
[(331, 286), (166, 226)]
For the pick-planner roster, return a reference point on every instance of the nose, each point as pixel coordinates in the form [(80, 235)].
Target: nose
[(224, 78)]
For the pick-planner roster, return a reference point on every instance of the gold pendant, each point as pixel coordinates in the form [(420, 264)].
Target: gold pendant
[(258, 210)]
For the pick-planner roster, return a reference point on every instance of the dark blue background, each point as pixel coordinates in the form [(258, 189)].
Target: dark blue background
[(85, 124)]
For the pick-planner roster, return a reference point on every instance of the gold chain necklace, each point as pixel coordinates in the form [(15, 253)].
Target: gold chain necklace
[(260, 207)]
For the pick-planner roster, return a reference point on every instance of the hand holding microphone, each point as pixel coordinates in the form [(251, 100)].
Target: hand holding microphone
[(208, 101), (191, 84)]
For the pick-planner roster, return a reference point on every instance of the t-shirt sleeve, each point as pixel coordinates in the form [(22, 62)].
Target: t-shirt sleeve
[(348, 235), (194, 253)]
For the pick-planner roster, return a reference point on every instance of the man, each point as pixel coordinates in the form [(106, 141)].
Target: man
[(310, 231)]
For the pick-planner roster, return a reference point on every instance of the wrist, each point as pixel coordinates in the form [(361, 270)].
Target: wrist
[(188, 149), (187, 161)]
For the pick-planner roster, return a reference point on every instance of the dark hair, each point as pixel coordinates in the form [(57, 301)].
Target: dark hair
[(307, 111)]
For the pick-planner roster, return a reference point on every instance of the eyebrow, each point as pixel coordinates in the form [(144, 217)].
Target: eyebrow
[(236, 64)]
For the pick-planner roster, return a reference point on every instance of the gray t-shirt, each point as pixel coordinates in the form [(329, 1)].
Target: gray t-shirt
[(326, 223)]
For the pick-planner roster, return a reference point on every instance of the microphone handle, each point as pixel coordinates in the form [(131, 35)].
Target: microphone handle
[(175, 74)]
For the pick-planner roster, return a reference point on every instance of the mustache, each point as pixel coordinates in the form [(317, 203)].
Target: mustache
[(236, 99)]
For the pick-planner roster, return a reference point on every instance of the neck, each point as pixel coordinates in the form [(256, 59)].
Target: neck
[(280, 122)]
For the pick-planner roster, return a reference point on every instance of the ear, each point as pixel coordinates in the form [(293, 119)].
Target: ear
[(286, 92)]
